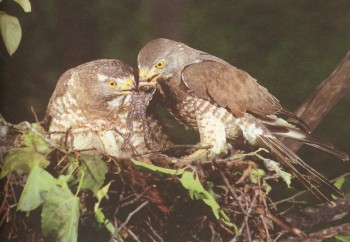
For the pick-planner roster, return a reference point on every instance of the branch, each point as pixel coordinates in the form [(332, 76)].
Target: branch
[(130, 216), (343, 229), (328, 93), (311, 216)]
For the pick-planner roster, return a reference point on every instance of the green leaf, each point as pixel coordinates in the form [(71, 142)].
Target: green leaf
[(25, 4), (276, 167), (31, 139), (11, 32), (93, 170), (101, 194), (210, 186), (23, 159), (345, 238), (100, 217), (157, 168), (339, 182), (60, 215), (39, 182), (191, 182), (255, 175)]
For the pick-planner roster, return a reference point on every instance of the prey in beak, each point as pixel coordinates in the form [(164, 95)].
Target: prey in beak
[(147, 80)]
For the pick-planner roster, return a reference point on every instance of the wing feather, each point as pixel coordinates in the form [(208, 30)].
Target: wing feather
[(230, 88)]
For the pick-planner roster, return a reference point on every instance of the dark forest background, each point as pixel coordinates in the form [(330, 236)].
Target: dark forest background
[(289, 46)]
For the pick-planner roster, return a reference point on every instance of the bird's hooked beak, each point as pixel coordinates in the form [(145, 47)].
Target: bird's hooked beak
[(129, 86), (148, 78)]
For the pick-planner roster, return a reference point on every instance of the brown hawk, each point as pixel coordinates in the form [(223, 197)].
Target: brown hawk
[(223, 102), (95, 108)]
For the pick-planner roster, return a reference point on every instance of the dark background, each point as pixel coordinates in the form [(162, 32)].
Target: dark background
[(289, 46)]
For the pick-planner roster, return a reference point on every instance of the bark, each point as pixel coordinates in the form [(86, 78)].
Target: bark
[(327, 94)]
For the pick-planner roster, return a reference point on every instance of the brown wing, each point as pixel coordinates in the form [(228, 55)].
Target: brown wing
[(229, 87)]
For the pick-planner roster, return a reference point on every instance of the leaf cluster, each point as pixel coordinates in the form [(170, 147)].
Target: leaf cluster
[(60, 206)]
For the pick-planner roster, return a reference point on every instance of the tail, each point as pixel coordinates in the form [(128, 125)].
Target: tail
[(292, 119), (316, 183), (308, 139)]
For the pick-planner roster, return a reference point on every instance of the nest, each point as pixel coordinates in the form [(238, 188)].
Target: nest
[(154, 198)]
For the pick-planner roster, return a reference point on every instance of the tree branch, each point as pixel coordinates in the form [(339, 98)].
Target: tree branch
[(343, 229), (328, 93), (311, 216)]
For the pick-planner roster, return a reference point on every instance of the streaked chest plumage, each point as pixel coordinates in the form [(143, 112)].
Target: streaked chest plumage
[(114, 131), (191, 109)]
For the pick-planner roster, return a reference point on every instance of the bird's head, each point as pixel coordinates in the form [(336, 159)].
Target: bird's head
[(112, 85), (161, 59), (101, 82), (106, 77)]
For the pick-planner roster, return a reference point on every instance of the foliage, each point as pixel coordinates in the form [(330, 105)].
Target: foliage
[(10, 27), (61, 207), (190, 181), (70, 189)]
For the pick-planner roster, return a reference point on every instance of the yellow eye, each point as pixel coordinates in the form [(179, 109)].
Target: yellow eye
[(159, 64), (112, 84)]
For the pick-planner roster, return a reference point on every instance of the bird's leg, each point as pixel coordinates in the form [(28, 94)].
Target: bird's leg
[(126, 141), (212, 133)]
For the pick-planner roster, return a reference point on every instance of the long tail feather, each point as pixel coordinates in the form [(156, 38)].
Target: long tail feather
[(308, 139), (310, 178)]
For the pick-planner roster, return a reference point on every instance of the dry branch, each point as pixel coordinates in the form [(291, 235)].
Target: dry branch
[(309, 217), (328, 93), (323, 234)]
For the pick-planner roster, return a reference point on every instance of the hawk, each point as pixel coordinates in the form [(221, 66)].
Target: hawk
[(95, 108), (224, 103)]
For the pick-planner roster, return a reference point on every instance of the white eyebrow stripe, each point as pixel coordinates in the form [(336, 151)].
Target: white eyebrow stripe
[(101, 77)]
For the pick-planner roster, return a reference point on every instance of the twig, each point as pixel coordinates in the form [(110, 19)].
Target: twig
[(194, 147), (249, 238), (268, 238), (34, 113), (153, 231), (285, 226), (130, 216), (136, 198), (287, 199), (233, 193), (133, 235)]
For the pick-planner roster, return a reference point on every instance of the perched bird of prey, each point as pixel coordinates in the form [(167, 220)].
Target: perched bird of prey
[(222, 102), (95, 108)]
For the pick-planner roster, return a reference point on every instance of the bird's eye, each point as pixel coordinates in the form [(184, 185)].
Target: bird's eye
[(112, 84), (159, 64)]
